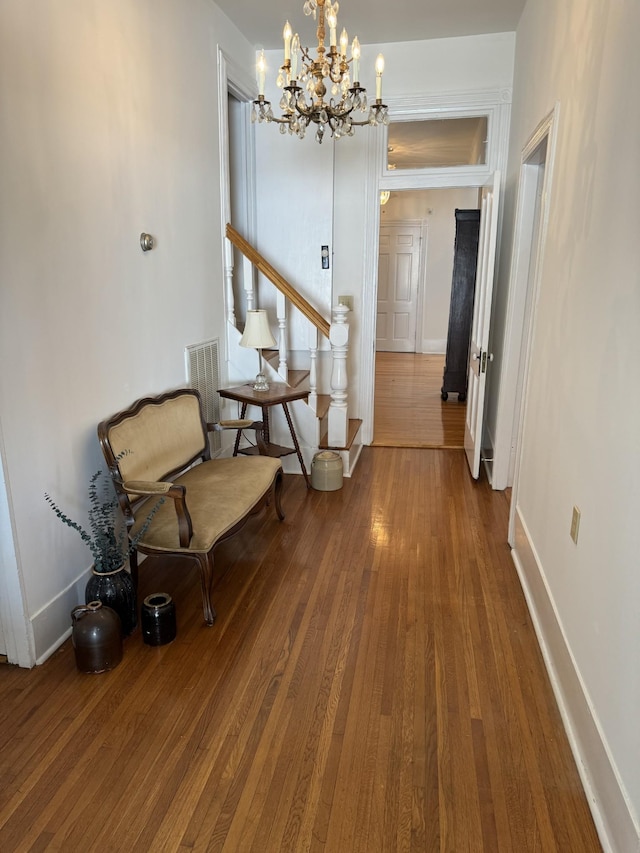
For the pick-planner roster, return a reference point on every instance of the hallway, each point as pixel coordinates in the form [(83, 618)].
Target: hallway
[(408, 409)]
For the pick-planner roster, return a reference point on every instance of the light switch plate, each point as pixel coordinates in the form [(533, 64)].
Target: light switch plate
[(346, 301)]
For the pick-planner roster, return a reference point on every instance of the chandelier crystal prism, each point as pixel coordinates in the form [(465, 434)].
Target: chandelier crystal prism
[(305, 82)]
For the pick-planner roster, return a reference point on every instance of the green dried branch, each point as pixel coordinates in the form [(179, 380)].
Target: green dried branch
[(107, 536)]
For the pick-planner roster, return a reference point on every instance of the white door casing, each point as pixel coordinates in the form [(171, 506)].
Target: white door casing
[(530, 228), (16, 632), (399, 271), (479, 357)]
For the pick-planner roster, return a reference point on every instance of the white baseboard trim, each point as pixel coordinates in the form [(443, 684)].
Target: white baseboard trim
[(51, 625), (488, 455), (435, 346), (617, 828), (352, 459)]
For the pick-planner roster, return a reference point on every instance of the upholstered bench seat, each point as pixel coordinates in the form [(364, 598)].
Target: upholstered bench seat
[(159, 448), (220, 492)]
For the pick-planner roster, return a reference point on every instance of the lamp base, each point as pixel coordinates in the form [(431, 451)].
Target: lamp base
[(261, 383)]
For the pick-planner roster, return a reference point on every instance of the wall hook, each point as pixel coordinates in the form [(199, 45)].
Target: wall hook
[(146, 242)]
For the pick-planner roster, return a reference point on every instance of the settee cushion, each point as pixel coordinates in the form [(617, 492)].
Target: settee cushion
[(219, 494)]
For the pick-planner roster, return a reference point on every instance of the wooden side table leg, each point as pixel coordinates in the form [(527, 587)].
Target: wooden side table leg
[(243, 412), (265, 421), (295, 444)]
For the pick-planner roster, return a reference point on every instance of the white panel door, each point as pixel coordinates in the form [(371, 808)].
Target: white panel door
[(478, 354), (398, 278)]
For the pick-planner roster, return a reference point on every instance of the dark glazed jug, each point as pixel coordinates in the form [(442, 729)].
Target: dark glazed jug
[(158, 619), (96, 636)]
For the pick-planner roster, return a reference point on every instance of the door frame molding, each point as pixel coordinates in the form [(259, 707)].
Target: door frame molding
[(233, 79), (17, 630), (497, 104), (519, 328)]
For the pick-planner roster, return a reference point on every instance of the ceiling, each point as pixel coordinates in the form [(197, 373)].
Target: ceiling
[(376, 21)]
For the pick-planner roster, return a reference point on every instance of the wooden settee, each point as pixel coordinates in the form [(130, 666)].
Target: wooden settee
[(159, 447)]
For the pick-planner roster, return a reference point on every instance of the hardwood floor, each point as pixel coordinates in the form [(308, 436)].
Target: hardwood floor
[(408, 409), (372, 685)]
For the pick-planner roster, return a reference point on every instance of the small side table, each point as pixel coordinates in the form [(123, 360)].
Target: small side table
[(278, 394)]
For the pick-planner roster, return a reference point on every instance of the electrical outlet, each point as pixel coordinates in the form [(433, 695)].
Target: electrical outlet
[(347, 301), (575, 524)]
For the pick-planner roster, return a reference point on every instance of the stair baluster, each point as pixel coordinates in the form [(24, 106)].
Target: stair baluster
[(248, 282), (312, 402), (338, 423), (281, 313), (228, 284)]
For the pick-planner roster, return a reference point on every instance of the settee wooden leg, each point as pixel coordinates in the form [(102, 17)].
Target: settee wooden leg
[(205, 561), (277, 495)]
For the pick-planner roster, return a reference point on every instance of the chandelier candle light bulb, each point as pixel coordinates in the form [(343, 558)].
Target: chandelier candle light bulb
[(262, 68), (379, 71), (295, 47), (306, 80), (355, 55), (287, 33), (344, 43), (332, 20)]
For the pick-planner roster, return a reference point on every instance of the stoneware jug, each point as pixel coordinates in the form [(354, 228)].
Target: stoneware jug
[(96, 636), (158, 614)]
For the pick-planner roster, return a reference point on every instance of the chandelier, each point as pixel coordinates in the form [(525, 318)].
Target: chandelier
[(305, 81)]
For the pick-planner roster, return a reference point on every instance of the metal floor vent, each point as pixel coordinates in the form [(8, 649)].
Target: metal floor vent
[(203, 374)]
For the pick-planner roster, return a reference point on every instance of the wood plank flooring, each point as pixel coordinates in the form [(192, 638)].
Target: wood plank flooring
[(372, 685), (408, 409)]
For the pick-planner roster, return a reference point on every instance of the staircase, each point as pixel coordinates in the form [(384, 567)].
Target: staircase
[(322, 421)]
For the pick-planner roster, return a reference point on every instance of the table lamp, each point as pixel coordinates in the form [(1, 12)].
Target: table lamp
[(257, 335)]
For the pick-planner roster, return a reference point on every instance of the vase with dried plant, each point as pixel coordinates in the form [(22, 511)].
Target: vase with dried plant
[(106, 536)]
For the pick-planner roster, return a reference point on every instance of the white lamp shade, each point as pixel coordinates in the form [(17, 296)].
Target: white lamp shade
[(257, 333)]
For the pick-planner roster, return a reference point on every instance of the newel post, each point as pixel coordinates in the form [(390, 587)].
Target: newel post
[(338, 424)]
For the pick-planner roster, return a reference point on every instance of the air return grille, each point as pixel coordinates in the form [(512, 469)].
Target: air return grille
[(203, 375)]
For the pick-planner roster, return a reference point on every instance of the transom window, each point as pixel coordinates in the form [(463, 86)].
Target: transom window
[(437, 143)]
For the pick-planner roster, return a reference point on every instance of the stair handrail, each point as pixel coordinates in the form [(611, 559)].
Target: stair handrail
[(261, 264)]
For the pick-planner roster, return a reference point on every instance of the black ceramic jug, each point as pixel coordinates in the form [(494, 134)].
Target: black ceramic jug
[(158, 619), (96, 636)]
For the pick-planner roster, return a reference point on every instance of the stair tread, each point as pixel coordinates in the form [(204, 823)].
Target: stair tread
[(354, 426)]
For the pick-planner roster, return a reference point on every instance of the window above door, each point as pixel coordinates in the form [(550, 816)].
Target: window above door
[(444, 140), (437, 143)]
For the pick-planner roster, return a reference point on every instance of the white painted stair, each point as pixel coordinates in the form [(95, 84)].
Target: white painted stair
[(322, 420)]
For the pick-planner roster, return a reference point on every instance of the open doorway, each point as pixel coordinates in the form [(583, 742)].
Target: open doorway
[(416, 251)]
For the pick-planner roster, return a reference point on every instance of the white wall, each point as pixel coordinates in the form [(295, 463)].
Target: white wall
[(108, 128), (581, 443), (437, 209), (294, 183)]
